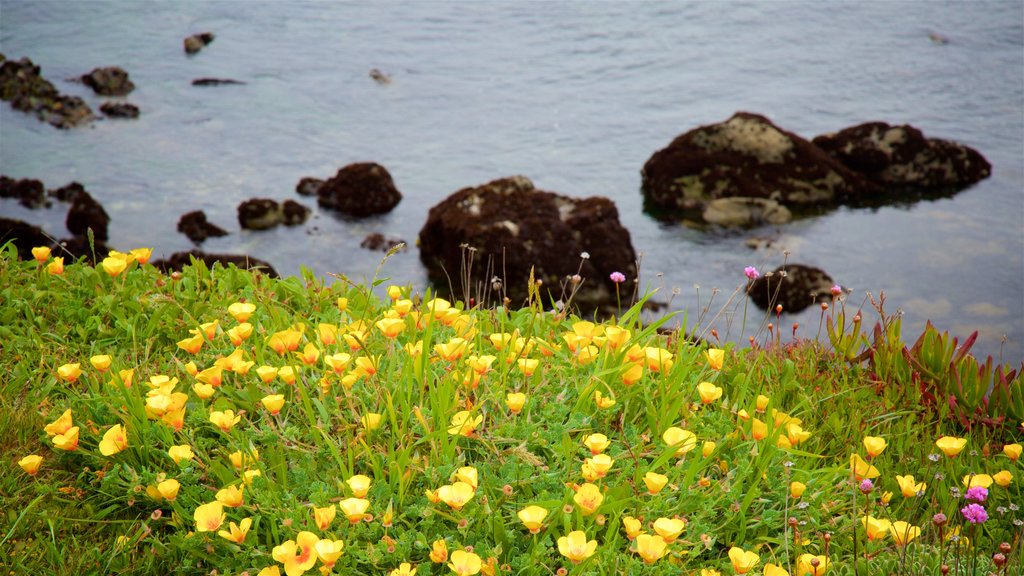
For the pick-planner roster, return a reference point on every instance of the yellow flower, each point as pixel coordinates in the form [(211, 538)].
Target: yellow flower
[(708, 392), (404, 569), (270, 571), (240, 333), (69, 372), (114, 440), (708, 448), (669, 528), (328, 333), (903, 533), (68, 440), (910, 487), (655, 482), (657, 359), (616, 336), (193, 344), (876, 528), (354, 509), (716, 357), (709, 572), (141, 255), (241, 311), (983, 480), (682, 440), (359, 484), (463, 423), (758, 429), (114, 265), (273, 403), (41, 253), (230, 496), (515, 401), (236, 532), (650, 548), (225, 420), (371, 421), (391, 327), (342, 304), (632, 374), (796, 489), (56, 268), (773, 570), (179, 453), (743, 561), (284, 341), (60, 425), (951, 446), (453, 349), (168, 489), (204, 391), (297, 555), (31, 463), (240, 460), (602, 401), (1003, 478), (761, 404), (875, 445), (632, 526), (597, 443), (861, 469), (805, 565), (323, 517), (795, 434), (101, 362), (527, 365), (209, 517), (309, 355), (465, 563), (600, 464), (266, 373), (575, 546), (455, 495), (589, 498), (438, 551), (287, 374), (533, 518)]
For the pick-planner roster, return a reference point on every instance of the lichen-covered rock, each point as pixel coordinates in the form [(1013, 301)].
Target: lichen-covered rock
[(179, 260), (795, 286), (259, 214), (508, 228), (308, 186), (195, 225), (86, 213), (109, 81), (293, 213), (745, 156), (360, 190), (28, 192), (901, 157), (196, 42), (27, 91), (120, 110), (739, 211)]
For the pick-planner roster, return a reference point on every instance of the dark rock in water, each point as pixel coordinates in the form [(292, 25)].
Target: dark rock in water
[(26, 90), (68, 193), (739, 211), (29, 193), (746, 156), (197, 42), (901, 157), (24, 236), (509, 228), (109, 81), (309, 186), (293, 213), (379, 242), (197, 228), (86, 213), (795, 286), (380, 77), (179, 260), (120, 110), (259, 214), (215, 81), (360, 190)]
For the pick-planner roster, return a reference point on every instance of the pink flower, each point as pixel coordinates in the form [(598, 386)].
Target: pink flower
[(751, 273), (977, 493), (617, 277), (837, 289), (974, 513)]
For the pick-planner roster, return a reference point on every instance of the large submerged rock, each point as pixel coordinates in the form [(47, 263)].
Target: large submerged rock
[(85, 214), (509, 228), (195, 225), (795, 286), (360, 190), (901, 157), (22, 85), (746, 156), (109, 81)]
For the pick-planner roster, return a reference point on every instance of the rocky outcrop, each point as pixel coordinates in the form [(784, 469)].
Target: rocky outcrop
[(22, 86), (195, 225), (179, 260), (901, 158), (120, 110), (381, 243), (509, 228), (86, 213), (360, 190), (109, 81), (24, 236), (795, 286), (28, 192), (264, 213), (68, 192), (196, 42), (308, 186), (293, 213), (740, 211)]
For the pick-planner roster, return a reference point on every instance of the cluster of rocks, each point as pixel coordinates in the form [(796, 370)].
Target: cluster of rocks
[(22, 85), (85, 217)]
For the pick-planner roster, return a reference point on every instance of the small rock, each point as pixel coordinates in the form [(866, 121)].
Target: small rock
[(379, 242), (309, 186), (197, 228), (120, 110), (86, 213), (29, 193), (197, 42), (360, 190), (380, 77), (179, 260), (215, 81), (67, 193), (293, 213), (740, 211), (109, 81), (259, 214), (795, 286)]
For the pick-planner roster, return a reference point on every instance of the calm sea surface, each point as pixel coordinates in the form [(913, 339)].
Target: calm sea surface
[(574, 95)]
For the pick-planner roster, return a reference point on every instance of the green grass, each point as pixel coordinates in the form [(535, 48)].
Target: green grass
[(86, 513)]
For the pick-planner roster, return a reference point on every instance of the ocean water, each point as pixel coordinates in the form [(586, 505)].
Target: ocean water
[(574, 95)]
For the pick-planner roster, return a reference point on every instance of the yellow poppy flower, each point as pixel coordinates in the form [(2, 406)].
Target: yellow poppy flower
[(359, 484), (237, 532), (650, 548), (515, 401), (669, 528), (31, 463), (1003, 478), (241, 311), (903, 533), (231, 496), (297, 555), (588, 497), (575, 546), (682, 440), (209, 517), (56, 267), (168, 489), (811, 565), (708, 392), (323, 517), (69, 372), (796, 489), (114, 440), (910, 487), (655, 482), (438, 551), (41, 253), (951, 446), (743, 561), (464, 424), (68, 440), (861, 469), (715, 357), (876, 528), (354, 509), (225, 420), (632, 526), (465, 563), (875, 445), (533, 518)]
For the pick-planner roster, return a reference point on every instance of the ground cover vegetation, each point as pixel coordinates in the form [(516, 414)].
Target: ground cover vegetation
[(221, 422)]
